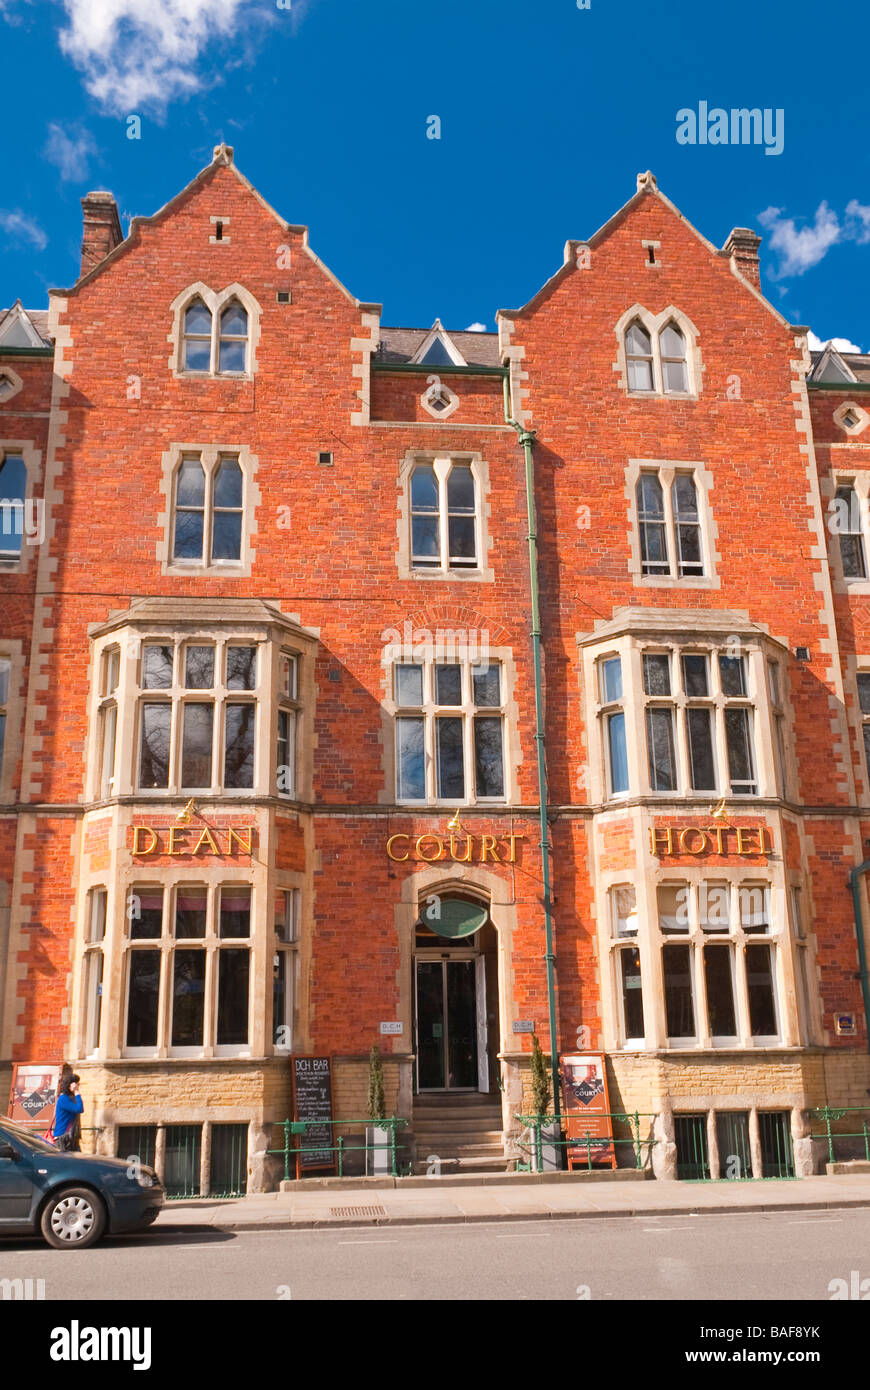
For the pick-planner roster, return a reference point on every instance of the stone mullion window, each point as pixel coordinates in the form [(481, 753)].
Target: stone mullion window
[(285, 682), (285, 967), (441, 711), (749, 955), (93, 971)]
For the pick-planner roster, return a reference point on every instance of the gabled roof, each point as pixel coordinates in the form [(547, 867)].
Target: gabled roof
[(647, 187), (830, 365), (24, 328), (409, 345), (221, 159)]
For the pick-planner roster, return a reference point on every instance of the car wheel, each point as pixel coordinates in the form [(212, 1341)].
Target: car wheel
[(73, 1219)]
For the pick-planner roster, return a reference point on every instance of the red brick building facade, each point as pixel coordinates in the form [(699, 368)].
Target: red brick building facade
[(266, 615)]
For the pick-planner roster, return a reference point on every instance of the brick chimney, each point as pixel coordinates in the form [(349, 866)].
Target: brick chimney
[(742, 246), (102, 229)]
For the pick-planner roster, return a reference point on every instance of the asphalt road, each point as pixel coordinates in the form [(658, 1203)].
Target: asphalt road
[(770, 1256)]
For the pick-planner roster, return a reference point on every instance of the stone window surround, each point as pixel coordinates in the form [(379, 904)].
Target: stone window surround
[(13, 652), (215, 300), (123, 878), (224, 240), (863, 418), (629, 642), (438, 388), (185, 627), (393, 656), (666, 469), (14, 379), (855, 666), (859, 479), (209, 455), (649, 941), (32, 459), (481, 573), (654, 323)]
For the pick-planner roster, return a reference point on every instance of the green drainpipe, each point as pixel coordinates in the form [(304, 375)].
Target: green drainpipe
[(526, 438), (855, 883)]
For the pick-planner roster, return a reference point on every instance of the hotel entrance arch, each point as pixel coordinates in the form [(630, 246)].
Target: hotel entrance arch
[(455, 993)]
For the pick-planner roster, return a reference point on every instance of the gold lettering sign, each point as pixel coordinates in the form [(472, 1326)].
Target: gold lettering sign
[(172, 840), (697, 839), (463, 848)]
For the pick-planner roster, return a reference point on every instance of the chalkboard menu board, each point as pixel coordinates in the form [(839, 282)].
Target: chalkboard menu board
[(312, 1102)]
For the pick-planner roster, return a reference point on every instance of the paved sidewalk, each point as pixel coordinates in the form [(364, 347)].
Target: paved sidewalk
[(446, 1200)]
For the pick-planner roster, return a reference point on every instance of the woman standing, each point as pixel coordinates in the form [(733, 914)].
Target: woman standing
[(68, 1108)]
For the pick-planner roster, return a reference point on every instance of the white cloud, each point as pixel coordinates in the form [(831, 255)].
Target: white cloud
[(137, 56), (20, 227), (841, 344), (800, 249), (476, 328), (70, 151), (858, 221)]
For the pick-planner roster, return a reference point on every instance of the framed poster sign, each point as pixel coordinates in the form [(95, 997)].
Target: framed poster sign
[(312, 1103), (34, 1091), (587, 1110)]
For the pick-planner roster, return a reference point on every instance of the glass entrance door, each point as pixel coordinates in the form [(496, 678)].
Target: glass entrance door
[(446, 1025)]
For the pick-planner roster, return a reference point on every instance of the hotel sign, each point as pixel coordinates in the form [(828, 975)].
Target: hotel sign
[(716, 839), (173, 840)]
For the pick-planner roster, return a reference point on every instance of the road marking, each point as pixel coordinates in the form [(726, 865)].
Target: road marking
[(367, 1242)]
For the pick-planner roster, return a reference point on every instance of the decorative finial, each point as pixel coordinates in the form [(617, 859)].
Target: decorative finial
[(647, 182), (183, 817), (223, 154)]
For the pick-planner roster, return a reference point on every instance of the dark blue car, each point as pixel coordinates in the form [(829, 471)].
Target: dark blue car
[(72, 1198)]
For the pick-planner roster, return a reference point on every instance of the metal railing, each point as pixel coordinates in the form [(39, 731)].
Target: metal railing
[(299, 1128), (832, 1113), (537, 1123)]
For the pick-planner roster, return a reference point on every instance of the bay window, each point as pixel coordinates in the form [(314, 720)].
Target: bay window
[(677, 719), (189, 988)]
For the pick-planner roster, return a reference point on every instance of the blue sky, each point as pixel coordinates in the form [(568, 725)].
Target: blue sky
[(547, 113)]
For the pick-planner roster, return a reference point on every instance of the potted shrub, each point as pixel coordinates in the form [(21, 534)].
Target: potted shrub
[(378, 1159), (551, 1150)]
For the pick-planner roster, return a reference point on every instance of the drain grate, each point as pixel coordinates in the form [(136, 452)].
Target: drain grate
[(357, 1211)]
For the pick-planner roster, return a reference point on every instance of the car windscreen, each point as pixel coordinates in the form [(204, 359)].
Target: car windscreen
[(17, 1134)]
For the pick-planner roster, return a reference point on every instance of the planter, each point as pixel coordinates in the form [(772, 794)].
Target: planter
[(552, 1152), (379, 1160)]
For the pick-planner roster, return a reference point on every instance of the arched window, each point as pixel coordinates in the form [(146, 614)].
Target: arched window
[(189, 510), (233, 343), (651, 523), (639, 356), (425, 542), (675, 371), (196, 356)]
